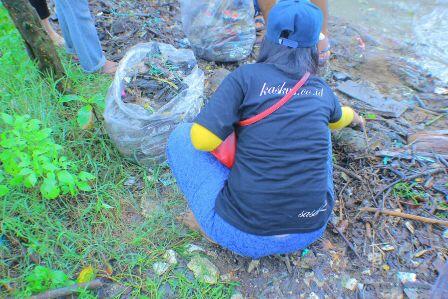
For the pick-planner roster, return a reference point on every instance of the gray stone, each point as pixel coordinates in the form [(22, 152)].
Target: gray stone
[(204, 270)]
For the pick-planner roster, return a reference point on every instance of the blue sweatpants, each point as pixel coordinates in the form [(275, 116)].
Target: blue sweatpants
[(81, 38), (200, 178)]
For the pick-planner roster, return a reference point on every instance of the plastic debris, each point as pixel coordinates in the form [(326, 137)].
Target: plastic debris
[(219, 30), (160, 268), (194, 248), (405, 277), (387, 248), (350, 284), (140, 132)]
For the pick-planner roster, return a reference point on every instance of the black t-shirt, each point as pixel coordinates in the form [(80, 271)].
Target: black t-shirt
[(279, 182)]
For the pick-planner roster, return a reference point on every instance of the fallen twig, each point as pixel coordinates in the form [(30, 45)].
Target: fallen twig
[(347, 172), (94, 284), (350, 245), (409, 178), (404, 215)]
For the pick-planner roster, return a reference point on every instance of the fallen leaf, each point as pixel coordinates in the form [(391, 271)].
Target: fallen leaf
[(87, 274)]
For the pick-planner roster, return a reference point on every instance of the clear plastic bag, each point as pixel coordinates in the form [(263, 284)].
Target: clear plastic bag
[(141, 134), (219, 30)]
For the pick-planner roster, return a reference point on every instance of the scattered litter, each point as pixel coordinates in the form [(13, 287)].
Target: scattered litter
[(410, 227), (350, 284), (374, 99), (405, 277), (387, 248), (160, 268), (204, 270), (340, 76), (421, 253)]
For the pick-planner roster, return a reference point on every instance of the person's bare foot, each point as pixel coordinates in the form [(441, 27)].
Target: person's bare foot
[(54, 36), (109, 68), (189, 221)]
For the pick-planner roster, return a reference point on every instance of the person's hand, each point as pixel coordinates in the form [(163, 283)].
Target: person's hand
[(324, 50), (358, 120)]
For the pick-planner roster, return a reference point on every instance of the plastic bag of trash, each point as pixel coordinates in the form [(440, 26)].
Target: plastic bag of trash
[(155, 88), (219, 30)]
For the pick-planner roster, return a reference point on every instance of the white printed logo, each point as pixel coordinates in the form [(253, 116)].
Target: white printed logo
[(306, 214)]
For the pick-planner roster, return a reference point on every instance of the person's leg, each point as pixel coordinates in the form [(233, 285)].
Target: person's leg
[(44, 14), (199, 175), (265, 7), (84, 38), (70, 49), (41, 7)]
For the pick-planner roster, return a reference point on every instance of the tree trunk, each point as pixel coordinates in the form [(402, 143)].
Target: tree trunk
[(38, 43)]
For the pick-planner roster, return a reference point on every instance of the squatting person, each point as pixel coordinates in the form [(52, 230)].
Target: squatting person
[(278, 196)]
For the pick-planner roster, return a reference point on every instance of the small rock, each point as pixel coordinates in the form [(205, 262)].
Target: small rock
[(387, 248), (204, 270), (405, 277), (252, 265), (160, 268), (194, 248), (170, 257), (350, 284), (353, 140), (237, 296)]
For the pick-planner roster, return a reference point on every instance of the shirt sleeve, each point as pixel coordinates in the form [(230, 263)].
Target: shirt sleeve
[(202, 139), (346, 119), (221, 113), (336, 112)]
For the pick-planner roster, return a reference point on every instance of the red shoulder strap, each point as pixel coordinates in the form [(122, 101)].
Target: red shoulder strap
[(277, 105)]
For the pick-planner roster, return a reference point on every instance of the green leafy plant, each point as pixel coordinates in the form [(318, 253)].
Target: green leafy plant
[(86, 113), (409, 192), (42, 279), (30, 158)]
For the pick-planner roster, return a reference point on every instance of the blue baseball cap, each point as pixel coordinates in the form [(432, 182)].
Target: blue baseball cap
[(300, 18)]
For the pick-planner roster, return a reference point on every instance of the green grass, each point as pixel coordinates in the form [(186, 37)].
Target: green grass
[(104, 228)]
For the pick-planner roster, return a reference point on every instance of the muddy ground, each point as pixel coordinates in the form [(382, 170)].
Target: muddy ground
[(377, 247)]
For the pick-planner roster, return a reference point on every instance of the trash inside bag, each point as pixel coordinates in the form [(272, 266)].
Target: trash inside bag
[(155, 88), (219, 30)]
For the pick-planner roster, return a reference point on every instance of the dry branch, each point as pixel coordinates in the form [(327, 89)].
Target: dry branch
[(407, 216)]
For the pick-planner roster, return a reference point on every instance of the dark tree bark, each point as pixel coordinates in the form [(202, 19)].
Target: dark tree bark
[(38, 43)]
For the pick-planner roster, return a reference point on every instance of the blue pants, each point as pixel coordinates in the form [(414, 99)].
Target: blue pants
[(80, 34), (201, 177)]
